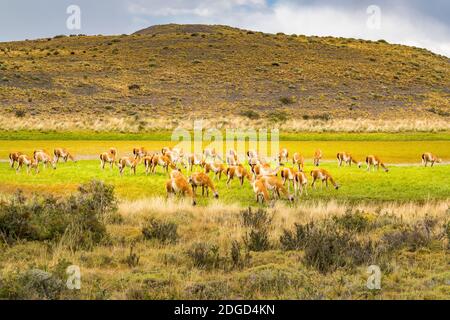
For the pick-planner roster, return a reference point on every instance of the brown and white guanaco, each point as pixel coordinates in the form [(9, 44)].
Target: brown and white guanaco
[(178, 184), (317, 157), (428, 157), (375, 161), (61, 153), (13, 158), (347, 158), (324, 176), (201, 179)]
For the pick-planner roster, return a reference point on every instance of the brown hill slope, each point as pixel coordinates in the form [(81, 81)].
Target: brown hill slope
[(177, 72)]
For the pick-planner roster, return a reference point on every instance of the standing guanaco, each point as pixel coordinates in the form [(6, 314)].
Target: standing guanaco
[(195, 160), (27, 161), (139, 152), (178, 184), (375, 162), (317, 157), (344, 157), (301, 183), (239, 172), (201, 179), (108, 157), (217, 168), (429, 157), (232, 158), (63, 154), (288, 174), (13, 158), (260, 190), (128, 162), (264, 170), (322, 175), (283, 156), (298, 160)]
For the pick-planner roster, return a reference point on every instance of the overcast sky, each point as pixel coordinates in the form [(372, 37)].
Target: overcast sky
[(413, 22)]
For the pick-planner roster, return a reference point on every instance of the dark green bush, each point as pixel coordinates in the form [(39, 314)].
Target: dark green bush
[(205, 255), (164, 231), (78, 219), (253, 115), (255, 219), (353, 221)]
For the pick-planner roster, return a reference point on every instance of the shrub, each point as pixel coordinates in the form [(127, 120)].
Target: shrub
[(238, 260), (277, 116), (353, 221), (257, 240), (134, 87), (165, 232), (255, 219), (296, 239), (253, 115), (288, 100), (19, 113), (205, 255), (79, 219)]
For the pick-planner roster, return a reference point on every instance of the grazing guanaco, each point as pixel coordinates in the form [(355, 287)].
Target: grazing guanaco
[(176, 156), (317, 157), (217, 168), (201, 179), (239, 172), (139, 152), (301, 183), (42, 156), (283, 156), (108, 157), (322, 175), (260, 190), (429, 157), (61, 153), (178, 184), (375, 162), (298, 160), (27, 161), (347, 158), (158, 160), (276, 185), (128, 162), (13, 158), (195, 160)]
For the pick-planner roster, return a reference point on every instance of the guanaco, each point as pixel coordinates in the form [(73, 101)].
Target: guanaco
[(27, 161), (178, 184), (298, 160), (217, 168), (42, 156), (347, 158), (252, 156), (13, 158), (195, 160), (276, 185), (260, 190), (301, 183), (210, 153), (201, 179), (288, 175), (232, 158), (283, 156), (128, 162), (239, 172), (375, 162), (159, 160), (139, 152), (61, 153), (264, 170), (429, 157), (317, 157), (322, 175), (108, 157)]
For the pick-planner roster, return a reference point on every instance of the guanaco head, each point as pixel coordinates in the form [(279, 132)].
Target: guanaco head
[(359, 164), (439, 160)]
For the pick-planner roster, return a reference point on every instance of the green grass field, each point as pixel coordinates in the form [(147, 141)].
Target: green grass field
[(401, 183), (405, 181)]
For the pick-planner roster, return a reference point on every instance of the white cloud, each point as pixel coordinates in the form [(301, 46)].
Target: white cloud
[(399, 24)]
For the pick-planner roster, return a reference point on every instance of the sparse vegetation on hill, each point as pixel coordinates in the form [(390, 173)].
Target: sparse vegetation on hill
[(173, 73)]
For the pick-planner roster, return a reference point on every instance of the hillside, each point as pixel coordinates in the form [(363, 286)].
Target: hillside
[(185, 71)]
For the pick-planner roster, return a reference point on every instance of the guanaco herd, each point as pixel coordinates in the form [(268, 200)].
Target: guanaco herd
[(266, 182)]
